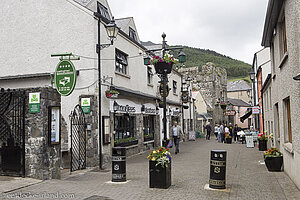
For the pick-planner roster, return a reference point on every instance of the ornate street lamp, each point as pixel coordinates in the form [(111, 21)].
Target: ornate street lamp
[(163, 68), (252, 75), (112, 32)]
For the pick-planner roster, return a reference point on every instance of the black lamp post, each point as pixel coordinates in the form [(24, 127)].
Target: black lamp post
[(112, 32), (164, 69)]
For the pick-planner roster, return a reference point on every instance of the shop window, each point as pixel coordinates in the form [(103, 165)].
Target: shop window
[(106, 129), (148, 127), (121, 62), (287, 120), (174, 87), (103, 11), (132, 34), (124, 127)]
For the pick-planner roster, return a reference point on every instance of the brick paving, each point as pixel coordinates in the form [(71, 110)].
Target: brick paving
[(246, 178)]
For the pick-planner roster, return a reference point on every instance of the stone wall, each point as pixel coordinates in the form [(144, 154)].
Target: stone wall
[(42, 161)]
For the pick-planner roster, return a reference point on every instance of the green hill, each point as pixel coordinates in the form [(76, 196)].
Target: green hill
[(199, 57)]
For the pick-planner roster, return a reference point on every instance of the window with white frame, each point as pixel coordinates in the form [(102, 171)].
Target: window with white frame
[(132, 34), (149, 75), (121, 62), (287, 120)]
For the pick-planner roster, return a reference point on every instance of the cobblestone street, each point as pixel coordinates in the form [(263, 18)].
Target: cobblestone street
[(246, 178)]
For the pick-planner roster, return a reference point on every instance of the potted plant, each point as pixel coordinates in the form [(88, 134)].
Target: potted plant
[(111, 94), (160, 168), (243, 139), (148, 137), (228, 139), (124, 142), (273, 160), (165, 64), (262, 142)]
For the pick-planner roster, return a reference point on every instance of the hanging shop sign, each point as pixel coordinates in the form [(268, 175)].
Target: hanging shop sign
[(65, 77), (230, 112), (175, 112), (148, 108), (86, 105), (54, 125), (34, 102), (161, 90), (255, 110)]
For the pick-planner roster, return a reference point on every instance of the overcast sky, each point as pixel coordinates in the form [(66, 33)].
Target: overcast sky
[(230, 27)]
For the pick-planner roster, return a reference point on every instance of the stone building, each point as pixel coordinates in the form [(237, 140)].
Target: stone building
[(211, 82)]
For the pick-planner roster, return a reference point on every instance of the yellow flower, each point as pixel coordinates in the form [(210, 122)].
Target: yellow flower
[(153, 159), (154, 152)]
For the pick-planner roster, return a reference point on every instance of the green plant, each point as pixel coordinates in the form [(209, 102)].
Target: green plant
[(273, 152), (162, 156), (124, 140), (148, 136), (168, 59)]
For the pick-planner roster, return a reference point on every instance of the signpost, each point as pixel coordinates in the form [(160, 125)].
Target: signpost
[(34, 102), (65, 77), (86, 105)]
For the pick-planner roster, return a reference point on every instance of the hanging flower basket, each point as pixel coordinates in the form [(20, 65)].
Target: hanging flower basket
[(223, 105), (111, 94)]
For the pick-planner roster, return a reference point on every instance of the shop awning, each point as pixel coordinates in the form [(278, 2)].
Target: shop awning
[(245, 116)]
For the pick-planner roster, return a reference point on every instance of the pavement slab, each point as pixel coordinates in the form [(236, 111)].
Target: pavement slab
[(246, 178)]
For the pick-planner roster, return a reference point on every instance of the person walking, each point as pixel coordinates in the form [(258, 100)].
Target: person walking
[(235, 131), (230, 129), (176, 134), (222, 132), (216, 130), (219, 134), (208, 131)]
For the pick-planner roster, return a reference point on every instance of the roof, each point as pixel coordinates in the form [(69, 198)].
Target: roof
[(194, 94), (240, 85), (273, 11), (205, 115), (238, 102), (123, 23)]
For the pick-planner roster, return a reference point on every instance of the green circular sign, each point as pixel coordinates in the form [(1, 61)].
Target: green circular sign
[(65, 77)]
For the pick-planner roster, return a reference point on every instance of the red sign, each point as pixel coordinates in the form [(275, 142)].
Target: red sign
[(255, 110)]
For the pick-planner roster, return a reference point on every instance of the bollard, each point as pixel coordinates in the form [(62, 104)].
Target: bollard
[(217, 169), (118, 164)]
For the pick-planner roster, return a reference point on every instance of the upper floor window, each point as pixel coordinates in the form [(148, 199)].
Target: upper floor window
[(174, 87), (103, 11), (121, 62), (149, 75), (132, 34)]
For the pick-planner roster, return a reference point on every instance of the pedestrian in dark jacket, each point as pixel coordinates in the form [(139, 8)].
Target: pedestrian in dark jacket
[(208, 131), (235, 131)]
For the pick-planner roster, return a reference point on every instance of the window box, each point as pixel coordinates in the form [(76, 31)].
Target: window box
[(126, 143)]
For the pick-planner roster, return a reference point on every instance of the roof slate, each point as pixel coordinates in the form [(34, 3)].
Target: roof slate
[(240, 85), (238, 102)]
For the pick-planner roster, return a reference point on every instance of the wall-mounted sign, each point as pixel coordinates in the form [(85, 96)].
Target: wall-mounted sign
[(54, 121), (230, 112), (65, 77), (255, 110), (185, 96), (86, 105), (34, 102)]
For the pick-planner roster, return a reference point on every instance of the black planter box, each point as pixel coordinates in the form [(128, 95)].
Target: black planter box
[(161, 67), (274, 164), (262, 145), (159, 177), (228, 140), (146, 139)]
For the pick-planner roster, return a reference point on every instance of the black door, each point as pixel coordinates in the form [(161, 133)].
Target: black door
[(12, 132), (78, 139)]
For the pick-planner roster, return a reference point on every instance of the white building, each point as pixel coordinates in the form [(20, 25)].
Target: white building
[(53, 27)]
